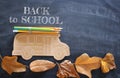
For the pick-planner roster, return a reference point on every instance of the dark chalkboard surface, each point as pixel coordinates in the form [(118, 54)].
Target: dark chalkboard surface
[(91, 26)]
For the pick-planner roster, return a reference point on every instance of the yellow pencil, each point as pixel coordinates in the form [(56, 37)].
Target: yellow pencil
[(23, 31)]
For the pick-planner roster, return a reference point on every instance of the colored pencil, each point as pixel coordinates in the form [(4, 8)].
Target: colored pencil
[(46, 29), (24, 31)]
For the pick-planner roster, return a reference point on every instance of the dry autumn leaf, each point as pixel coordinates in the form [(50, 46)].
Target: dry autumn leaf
[(66, 69), (85, 64), (108, 63), (10, 64), (41, 65)]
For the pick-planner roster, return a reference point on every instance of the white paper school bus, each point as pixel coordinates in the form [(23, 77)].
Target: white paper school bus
[(33, 44)]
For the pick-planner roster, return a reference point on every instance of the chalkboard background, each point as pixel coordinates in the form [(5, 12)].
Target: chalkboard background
[(91, 26)]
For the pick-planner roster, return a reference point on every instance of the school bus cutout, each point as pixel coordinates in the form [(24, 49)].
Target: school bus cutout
[(36, 44)]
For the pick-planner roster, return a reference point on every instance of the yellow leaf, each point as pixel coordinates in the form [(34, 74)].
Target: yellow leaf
[(85, 64), (108, 63), (10, 65), (104, 67)]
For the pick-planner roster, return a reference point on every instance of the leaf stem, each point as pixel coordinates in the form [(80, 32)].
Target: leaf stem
[(27, 66), (1, 57)]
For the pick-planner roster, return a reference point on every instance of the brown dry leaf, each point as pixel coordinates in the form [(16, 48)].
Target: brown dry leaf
[(108, 63), (85, 64), (10, 64), (66, 69), (41, 65)]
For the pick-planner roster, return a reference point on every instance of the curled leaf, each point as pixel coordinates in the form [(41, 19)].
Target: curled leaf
[(41, 65), (66, 69), (85, 64), (108, 63), (10, 64)]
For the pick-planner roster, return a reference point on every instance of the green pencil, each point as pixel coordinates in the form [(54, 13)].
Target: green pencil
[(46, 29)]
